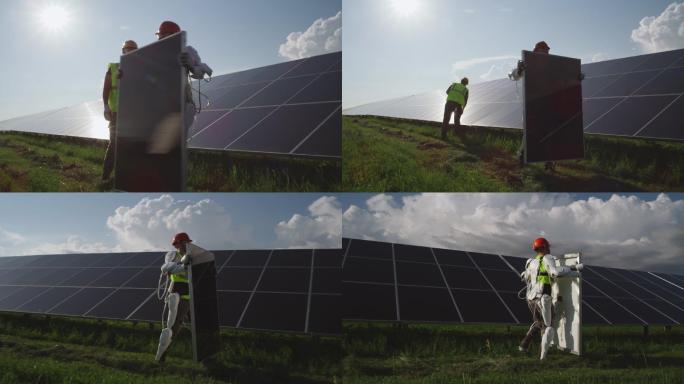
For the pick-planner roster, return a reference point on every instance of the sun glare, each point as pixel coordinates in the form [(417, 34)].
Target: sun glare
[(405, 8), (54, 18)]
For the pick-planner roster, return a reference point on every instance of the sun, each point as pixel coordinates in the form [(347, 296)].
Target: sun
[(405, 8), (54, 18)]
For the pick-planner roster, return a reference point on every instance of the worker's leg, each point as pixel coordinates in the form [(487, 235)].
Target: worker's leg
[(537, 325), (457, 118), (173, 303), (111, 149), (449, 108), (546, 305)]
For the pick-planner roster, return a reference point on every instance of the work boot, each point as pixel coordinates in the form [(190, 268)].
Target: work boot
[(521, 349)]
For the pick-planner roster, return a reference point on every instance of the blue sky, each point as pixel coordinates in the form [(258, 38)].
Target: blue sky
[(632, 231), (394, 48), (47, 69), (103, 222)]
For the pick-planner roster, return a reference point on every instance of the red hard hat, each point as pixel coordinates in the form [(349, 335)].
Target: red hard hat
[(168, 28), (180, 237), (540, 243), (541, 45)]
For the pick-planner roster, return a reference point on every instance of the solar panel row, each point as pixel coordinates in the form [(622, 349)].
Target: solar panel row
[(289, 108), (635, 96), (395, 282), (286, 290)]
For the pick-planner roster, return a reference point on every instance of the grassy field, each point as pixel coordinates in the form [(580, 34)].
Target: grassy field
[(41, 163), (383, 154), (488, 354), (39, 349)]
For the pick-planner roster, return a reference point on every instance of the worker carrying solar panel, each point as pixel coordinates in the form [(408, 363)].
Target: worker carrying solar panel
[(177, 296), (457, 98), (191, 60), (110, 97), (538, 274)]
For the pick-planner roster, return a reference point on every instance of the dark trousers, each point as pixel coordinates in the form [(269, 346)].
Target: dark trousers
[(537, 325), (108, 166), (449, 108)]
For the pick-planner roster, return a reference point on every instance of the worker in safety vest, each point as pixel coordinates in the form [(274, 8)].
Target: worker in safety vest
[(178, 295), (191, 60), (457, 98), (538, 273), (110, 97)]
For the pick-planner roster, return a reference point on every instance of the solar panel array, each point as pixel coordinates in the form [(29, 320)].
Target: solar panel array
[(395, 282), (635, 96), (283, 290), (289, 108)]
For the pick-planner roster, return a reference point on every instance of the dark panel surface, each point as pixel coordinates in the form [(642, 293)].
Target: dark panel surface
[(368, 270), (229, 128), (276, 311), (81, 302), (325, 314), (426, 304), (285, 280), (326, 140), (629, 116), (553, 108), (481, 307), (230, 306), (120, 304), (419, 274), (239, 279), (48, 299), (368, 302)]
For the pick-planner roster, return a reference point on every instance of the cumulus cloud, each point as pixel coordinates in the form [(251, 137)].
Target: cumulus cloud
[(623, 231), (322, 228), (150, 224), (323, 36), (663, 32), (492, 67)]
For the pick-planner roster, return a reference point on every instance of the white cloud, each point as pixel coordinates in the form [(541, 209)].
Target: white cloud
[(9, 237), (469, 63), (623, 231), (150, 224), (72, 244), (322, 228), (323, 36), (599, 56), (663, 32)]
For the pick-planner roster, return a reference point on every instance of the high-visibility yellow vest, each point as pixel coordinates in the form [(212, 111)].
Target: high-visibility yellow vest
[(457, 93), (113, 100), (542, 275), (181, 277)]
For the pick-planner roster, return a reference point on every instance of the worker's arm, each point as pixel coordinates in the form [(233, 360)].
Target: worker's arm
[(106, 88), (449, 89), (191, 60), (465, 102), (170, 265)]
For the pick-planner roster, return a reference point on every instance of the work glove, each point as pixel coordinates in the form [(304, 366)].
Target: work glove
[(581, 76), (577, 267), (107, 113)]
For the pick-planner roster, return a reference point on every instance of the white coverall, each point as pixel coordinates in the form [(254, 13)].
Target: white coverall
[(197, 70), (178, 308), (539, 300)]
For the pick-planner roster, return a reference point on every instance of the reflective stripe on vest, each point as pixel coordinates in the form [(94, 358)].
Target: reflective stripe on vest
[(181, 277), (457, 93), (113, 100), (542, 276)]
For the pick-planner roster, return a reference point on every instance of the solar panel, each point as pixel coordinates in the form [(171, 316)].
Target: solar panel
[(638, 96), (422, 284), (291, 108), (282, 290)]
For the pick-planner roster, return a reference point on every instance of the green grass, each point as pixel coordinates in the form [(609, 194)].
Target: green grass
[(40, 349), (36, 349), (43, 163), (488, 354), (384, 154)]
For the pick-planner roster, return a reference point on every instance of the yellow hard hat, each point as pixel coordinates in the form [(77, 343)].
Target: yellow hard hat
[(130, 44)]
